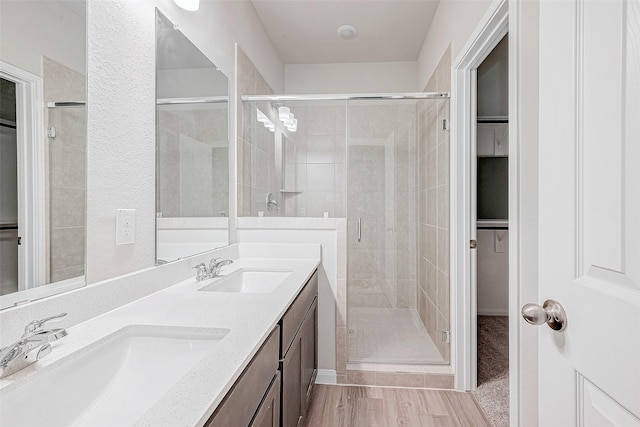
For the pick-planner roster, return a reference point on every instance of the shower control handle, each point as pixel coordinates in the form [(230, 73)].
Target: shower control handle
[(552, 313), (359, 230)]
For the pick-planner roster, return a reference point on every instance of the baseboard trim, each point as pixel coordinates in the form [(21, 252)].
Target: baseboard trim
[(493, 312), (327, 376)]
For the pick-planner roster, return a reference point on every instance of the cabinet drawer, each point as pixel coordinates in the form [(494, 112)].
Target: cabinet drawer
[(293, 317), (268, 414), (241, 403)]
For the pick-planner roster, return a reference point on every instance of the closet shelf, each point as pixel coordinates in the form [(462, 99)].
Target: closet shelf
[(492, 224), (493, 119)]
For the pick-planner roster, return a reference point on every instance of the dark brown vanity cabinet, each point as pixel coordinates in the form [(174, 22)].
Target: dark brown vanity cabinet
[(275, 388), (268, 414), (299, 354), (249, 395)]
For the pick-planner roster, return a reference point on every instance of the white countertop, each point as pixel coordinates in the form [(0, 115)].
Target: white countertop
[(249, 317)]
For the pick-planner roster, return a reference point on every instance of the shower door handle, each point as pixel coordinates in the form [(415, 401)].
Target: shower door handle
[(359, 230)]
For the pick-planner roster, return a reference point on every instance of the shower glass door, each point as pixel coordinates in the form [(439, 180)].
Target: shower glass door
[(386, 321)]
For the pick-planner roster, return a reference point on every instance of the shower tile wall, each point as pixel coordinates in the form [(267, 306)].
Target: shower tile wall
[(66, 186), (193, 173), (381, 191), (255, 148), (433, 188), (314, 161)]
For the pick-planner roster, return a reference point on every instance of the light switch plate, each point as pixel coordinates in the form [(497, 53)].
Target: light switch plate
[(125, 226)]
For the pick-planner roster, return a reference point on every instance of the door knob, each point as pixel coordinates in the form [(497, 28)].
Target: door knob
[(550, 313)]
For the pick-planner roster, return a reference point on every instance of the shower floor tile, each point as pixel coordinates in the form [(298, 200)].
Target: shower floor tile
[(389, 335)]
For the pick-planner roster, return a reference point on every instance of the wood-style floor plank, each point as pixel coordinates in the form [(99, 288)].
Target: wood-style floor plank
[(359, 406)]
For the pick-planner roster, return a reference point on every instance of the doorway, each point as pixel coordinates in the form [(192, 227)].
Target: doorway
[(491, 218), (9, 239), (520, 20)]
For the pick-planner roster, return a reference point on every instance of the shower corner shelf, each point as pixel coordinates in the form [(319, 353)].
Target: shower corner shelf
[(283, 190)]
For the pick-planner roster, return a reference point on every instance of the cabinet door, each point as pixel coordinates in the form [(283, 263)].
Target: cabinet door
[(268, 414), (292, 384), (242, 402), (309, 350), (294, 316)]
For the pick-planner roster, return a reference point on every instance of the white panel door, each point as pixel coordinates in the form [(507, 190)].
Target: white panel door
[(590, 211)]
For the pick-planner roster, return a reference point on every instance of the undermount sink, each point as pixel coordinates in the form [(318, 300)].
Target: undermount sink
[(112, 382), (248, 281)]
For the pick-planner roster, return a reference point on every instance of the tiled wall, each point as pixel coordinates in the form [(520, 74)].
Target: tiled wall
[(66, 186), (381, 192), (255, 158), (307, 165), (193, 163), (433, 188), (314, 161)]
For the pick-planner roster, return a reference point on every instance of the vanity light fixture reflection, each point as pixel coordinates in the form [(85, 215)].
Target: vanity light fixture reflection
[(262, 118), (288, 118), (190, 5)]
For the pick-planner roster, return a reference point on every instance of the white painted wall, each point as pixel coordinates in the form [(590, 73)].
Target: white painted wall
[(50, 28), (121, 111), (351, 78), (453, 23), (493, 82), (493, 273), (120, 134), (180, 237), (328, 233), (493, 266)]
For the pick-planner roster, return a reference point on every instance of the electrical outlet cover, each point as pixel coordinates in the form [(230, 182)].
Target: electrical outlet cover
[(125, 226)]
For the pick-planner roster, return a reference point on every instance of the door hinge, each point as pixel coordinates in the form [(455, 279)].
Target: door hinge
[(473, 244), (446, 336), (19, 240), (445, 124), (51, 132)]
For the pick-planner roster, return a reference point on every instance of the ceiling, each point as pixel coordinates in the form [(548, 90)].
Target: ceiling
[(305, 31)]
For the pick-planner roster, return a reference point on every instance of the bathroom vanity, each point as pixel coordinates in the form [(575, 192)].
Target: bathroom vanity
[(278, 383), (218, 352)]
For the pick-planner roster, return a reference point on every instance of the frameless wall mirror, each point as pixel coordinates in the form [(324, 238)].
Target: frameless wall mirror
[(42, 148), (192, 147)]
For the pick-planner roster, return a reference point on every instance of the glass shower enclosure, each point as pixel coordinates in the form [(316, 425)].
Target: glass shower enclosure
[(381, 162)]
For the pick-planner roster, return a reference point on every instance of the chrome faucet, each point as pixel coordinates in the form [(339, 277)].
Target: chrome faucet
[(31, 347), (203, 272), (216, 264)]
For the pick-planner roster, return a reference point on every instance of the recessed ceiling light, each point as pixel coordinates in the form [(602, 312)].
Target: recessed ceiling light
[(347, 32)]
